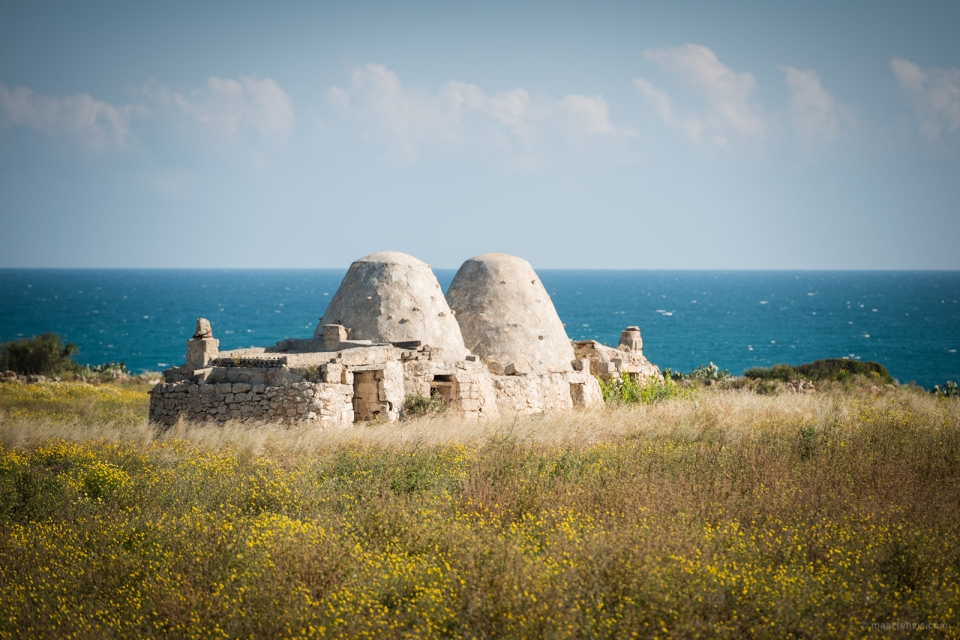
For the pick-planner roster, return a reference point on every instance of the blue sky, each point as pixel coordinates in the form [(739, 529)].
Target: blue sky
[(747, 135)]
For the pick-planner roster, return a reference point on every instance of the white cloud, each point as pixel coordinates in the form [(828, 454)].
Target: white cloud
[(460, 112), (230, 107), (813, 110), (95, 123), (935, 94), (727, 109), (584, 116), (226, 106), (691, 125)]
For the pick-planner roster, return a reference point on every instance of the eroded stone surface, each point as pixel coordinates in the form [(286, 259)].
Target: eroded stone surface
[(612, 364), (203, 329), (393, 297), (507, 317), (630, 340), (200, 351)]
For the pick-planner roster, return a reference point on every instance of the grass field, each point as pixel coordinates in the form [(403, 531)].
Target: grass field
[(729, 514)]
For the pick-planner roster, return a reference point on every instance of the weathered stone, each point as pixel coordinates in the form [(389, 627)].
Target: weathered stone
[(200, 352), (610, 363), (333, 335), (518, 368), (506, 314), (331, 372), (393, 297), (203, 329), (630, 340)]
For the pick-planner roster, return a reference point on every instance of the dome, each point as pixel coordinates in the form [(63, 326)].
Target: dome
[(506, 315), (393, 297)]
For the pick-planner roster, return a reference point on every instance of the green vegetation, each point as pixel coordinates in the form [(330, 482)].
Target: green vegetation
[(948, 390), (836, 369), (45, 355), (415, 406), (629, 390), (703, 373), (709, 372), (68, 402), (726, 516)]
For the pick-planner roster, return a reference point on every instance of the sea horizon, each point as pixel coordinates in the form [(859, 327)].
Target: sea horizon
[(907, 320)]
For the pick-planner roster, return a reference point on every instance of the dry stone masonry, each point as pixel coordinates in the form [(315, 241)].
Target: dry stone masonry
[(494, 344)]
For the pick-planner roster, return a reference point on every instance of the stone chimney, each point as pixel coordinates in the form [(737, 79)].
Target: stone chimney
[(203, 347), (630, 340)]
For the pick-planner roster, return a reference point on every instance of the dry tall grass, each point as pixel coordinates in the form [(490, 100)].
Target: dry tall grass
[(725, 516)]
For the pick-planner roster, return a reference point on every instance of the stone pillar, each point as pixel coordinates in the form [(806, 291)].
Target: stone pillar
[(333, 335), (630, 340), (202, 348)]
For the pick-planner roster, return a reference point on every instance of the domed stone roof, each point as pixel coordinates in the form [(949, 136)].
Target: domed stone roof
[(506, 316), (393, 297)]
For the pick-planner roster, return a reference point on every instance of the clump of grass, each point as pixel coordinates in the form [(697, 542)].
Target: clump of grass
[(727, 516)]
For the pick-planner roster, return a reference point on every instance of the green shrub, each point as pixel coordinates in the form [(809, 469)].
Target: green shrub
[(781, 372), (417, 405), (45, 355), (832, 368), (676, 376), (821, 370), (948, 390), (709, 372), (629, 390)]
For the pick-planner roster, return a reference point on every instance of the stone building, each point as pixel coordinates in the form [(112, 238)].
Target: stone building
[(494, 344)]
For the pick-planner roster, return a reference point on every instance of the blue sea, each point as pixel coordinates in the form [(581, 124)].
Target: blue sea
[(907, 321)]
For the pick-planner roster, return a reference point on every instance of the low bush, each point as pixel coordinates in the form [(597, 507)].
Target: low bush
[(948, 390), (415, 406), (709, 372), (44, 355), (836, 369), (629, 390)]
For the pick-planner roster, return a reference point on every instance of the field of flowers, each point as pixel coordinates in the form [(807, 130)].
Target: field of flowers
[(70, 401), (728, 515)]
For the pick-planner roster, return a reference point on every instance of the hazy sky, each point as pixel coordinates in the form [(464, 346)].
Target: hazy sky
[(759, 135)]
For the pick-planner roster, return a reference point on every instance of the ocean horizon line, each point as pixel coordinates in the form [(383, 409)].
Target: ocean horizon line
[(600, 269)]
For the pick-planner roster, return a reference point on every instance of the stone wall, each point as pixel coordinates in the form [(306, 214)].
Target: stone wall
[(529, 394), (321, 402), (470, 389)]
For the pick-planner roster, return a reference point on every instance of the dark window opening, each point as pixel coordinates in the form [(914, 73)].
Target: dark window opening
[(445, 388)]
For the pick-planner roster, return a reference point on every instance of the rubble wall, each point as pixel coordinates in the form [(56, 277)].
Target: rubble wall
[(473, 394), (322, 402)]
